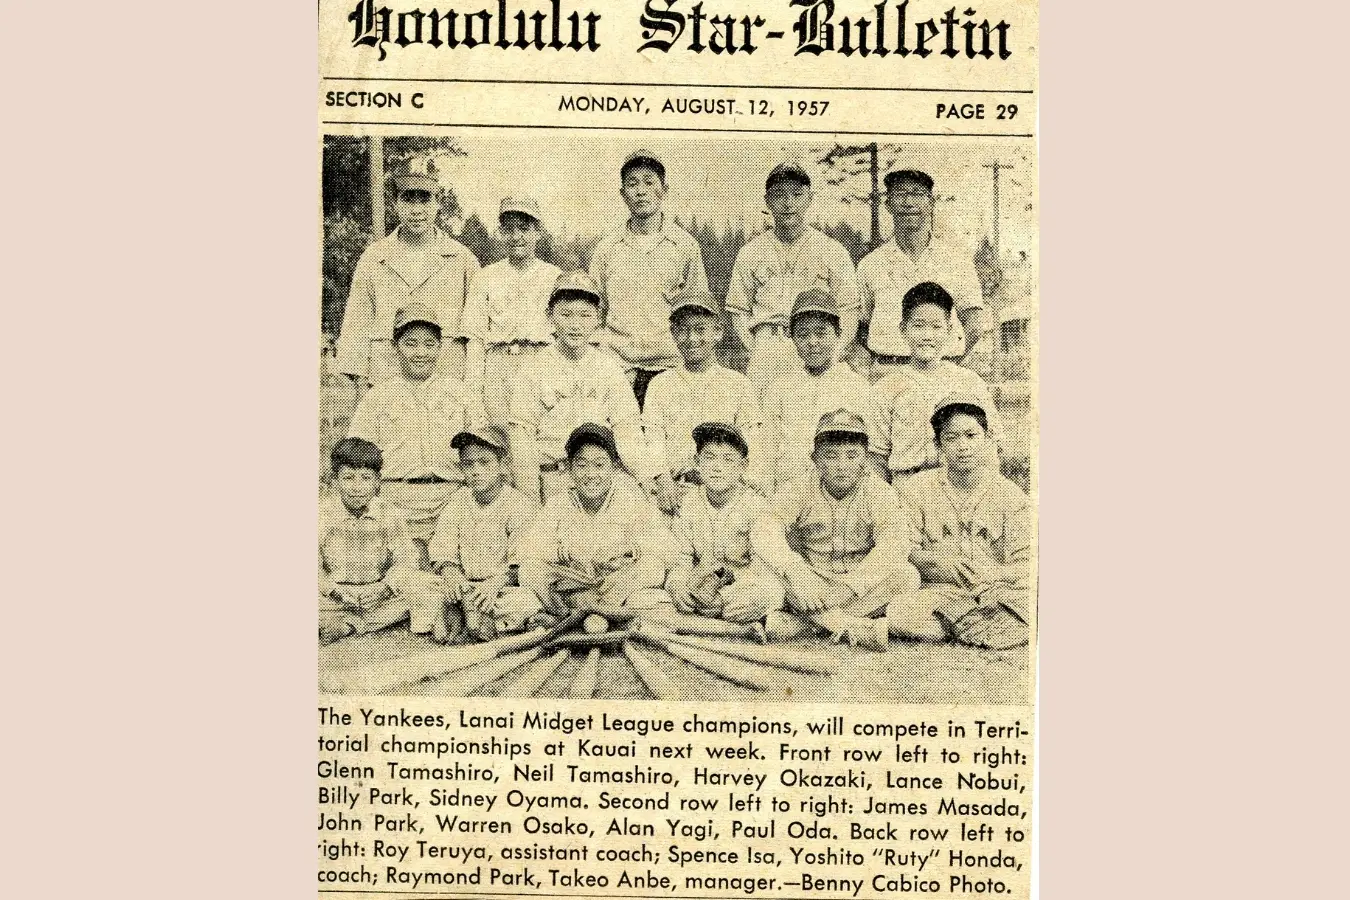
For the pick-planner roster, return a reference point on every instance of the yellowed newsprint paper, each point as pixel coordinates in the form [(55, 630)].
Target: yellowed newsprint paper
[(677, 448)]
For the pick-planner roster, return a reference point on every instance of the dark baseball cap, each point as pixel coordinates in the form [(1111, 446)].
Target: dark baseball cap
[(814, 300), (417, 176), (571, 284), (952, 404), (787, 171), (493, 436), (926, 292), (913, 176), (841, 421), (696, 300), (720, 431), (644, 159), (415, 314), (591, 433)]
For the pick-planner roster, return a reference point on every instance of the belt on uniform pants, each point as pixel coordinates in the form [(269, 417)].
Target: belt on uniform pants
[(689, 478), (557, 465), (912, 470), (514, 348), (770, 328), (421, 479), (888, 360)]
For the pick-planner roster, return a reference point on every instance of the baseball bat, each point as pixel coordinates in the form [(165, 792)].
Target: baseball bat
[(584, 682), (583, 641), (778, 657), (466, 681), (736, 671), (532, 678), (684, 623), (656, 681), (373, 678)]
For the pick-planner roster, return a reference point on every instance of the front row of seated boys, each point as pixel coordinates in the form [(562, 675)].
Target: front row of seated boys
[(943, 558)]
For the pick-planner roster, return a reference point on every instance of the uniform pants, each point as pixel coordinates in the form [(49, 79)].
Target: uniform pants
[(863, 617), (420, 504), (499, 373), (773, 356), (642, 379), (418, 596)]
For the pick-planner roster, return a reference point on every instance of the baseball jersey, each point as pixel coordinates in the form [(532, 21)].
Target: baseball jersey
[(639, 275), (360, 549), (710, 536), (565, 532), (887, 273), (769, 274), (678, 400), (412, 422), (507, 303), (858, 540), (552, 395), (389, 276), (907, 399), (992, 523), (481, 541), (794, 404)]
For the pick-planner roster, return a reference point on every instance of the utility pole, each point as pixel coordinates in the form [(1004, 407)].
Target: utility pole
[(875, 197), (996, 350), (377, 186)]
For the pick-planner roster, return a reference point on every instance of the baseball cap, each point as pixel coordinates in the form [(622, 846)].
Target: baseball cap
[(644, 158), (787, 171), (591, 433), (841, 421), (526, 206), (414, 313), (577, 282), (491, 435), (911, 175), (814, 300), (720, 431), (955, 403), (696, 300), (417, 176), (926, 292)]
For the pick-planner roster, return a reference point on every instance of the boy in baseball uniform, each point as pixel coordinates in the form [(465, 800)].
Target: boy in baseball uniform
[(909, 395), (775, 267), (603, 527), (716, 574), (838, 542), (412, 417), (820, 384), (571, 382), (970, 533), (640, 268), (369, 576), (505, 315), (701, 390)]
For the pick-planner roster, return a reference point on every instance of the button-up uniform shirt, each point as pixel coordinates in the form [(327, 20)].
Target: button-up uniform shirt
[(639, 275), (712, 537), (565, 533), (907, 399), (794, 404), (506, 303), (360, 549), (552, 395), (769, 275), (678, 400), (859, 540), (389, 276), (481, 541), (888, 272), (412, 422), (993, 523)]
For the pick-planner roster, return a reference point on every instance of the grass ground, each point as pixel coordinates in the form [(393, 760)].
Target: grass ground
[(906, 673)]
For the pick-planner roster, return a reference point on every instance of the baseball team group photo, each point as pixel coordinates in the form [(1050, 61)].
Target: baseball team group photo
[(622, 416)]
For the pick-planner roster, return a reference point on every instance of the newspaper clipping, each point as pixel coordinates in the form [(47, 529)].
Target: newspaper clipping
[(677, 448)]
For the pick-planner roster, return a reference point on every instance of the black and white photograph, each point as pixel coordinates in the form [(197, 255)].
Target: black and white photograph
[(636, 416)]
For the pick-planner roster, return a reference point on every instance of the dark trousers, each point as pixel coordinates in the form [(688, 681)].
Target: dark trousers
[(642, 378)]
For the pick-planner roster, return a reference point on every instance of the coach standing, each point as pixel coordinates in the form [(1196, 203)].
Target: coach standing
[(914, 255), (640, 269), (417, 263)]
